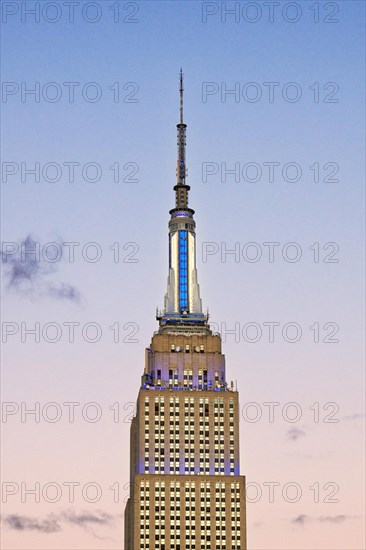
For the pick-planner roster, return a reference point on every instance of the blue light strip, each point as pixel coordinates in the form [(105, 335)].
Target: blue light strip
[(181, 213), (183, 270)]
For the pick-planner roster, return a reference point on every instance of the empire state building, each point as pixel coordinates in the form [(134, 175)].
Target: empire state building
[(186, 489)]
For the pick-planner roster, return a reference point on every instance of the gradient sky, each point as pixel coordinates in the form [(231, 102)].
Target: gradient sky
[(149, 53)]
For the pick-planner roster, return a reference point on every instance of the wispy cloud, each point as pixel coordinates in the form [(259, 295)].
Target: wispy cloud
[(311, 456), (97, 518), (356, 416), (20, 271), (304, 519), (258, 524), (27, 272), (25, 523), (294, 434), (64, 291), (300, 520), (54, 523), (89, 520), (334, 519)]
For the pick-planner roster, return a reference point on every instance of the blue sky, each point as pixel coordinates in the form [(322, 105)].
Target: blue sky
[(149, 54)]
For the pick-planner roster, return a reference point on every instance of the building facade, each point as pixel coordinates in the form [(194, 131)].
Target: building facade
[(186, 489)]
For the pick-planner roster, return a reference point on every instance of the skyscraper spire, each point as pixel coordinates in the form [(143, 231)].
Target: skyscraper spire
[(180, 190), (182, 305)]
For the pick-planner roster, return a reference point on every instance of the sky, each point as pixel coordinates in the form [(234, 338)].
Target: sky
[(275, 153)]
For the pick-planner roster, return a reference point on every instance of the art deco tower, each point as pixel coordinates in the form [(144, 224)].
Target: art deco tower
[(186, 491)]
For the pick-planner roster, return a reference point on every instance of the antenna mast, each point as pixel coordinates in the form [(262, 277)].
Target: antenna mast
[(181, 188), (181, 89)]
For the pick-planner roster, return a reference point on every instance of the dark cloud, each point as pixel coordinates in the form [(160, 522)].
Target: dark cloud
[(295, 433), (27, 272), (24, 523)]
